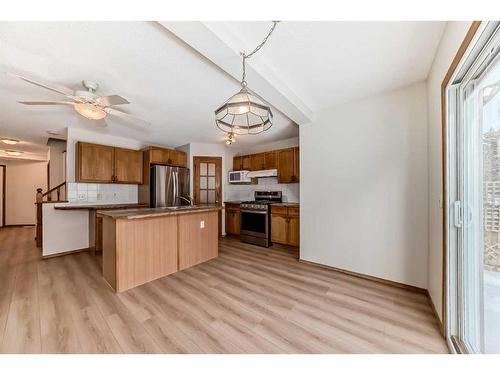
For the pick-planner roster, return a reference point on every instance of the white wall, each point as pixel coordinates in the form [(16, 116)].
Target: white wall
[(452, 38), (363, 187), (57, 156), (23, 178)]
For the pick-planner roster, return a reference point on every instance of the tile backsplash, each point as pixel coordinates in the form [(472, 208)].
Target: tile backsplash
[(246, 192), (102, 193)]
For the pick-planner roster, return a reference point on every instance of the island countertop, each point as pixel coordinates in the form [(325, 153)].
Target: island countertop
[(141, 213)]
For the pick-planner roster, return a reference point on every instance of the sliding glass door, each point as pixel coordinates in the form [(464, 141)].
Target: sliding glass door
[(474, 200)]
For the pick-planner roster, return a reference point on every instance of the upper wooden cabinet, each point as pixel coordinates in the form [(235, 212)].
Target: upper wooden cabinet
[(288, 165), (246, 163), (107, 164), (94, 163), (128, 166), (257, 162), (237, 163), (286, 161), (160, 155), (271, 160)]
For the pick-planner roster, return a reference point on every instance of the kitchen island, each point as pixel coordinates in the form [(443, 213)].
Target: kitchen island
[(142, 245)]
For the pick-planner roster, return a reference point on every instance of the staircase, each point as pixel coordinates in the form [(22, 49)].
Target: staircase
[(60, 192)]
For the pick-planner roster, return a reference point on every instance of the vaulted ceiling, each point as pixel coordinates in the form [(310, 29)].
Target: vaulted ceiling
[(176, 73)]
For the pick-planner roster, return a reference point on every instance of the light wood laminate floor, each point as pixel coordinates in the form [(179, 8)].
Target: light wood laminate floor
[(248, 300)]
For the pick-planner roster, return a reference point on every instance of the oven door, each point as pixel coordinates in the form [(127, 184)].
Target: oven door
[(254, 223)]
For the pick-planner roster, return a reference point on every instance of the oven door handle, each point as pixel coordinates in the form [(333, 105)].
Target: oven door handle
[(254, 212)]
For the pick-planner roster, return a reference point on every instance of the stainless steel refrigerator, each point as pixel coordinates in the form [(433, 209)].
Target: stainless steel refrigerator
[(169, 186)]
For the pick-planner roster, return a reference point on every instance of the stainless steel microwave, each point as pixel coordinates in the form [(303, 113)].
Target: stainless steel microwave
[(239, 177)]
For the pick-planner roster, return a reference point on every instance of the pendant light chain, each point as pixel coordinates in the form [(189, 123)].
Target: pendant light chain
[(245, 56), (245, 112)]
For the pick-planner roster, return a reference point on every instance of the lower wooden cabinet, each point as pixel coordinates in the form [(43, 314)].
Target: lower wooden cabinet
[(285, 225), (232, 218)]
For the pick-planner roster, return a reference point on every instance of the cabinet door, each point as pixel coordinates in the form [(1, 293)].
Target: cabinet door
[(279, 229), (94, 163), (178, 158), (293, 231), (232, 221), (246, 163), (285, 165), (237, 163), (128, 166), (257, 162), (159, 155), (271, 161), (296, 164)]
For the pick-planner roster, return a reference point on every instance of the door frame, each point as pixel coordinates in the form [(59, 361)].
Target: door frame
[(444, 106), (4, 187), (218, 181)]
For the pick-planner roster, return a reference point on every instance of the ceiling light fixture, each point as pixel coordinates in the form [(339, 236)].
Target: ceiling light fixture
[(90, 111), (9, 141), (230, 139), (13, 153), (245, 112)]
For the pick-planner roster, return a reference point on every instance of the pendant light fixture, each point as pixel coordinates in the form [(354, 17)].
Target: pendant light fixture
[(245, 112)]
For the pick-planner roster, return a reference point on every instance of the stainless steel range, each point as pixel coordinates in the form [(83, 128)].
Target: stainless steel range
[(255, 220)]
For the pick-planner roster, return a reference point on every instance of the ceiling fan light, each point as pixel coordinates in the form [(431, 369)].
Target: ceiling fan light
[(90, 111), (9, 141)]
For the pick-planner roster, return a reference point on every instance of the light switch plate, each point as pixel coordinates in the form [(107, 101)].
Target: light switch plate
[(202, 224)]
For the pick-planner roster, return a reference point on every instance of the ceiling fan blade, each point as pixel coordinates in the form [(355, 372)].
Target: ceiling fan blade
[(116, 112), (45, 102), (107, 101), (59, 89)]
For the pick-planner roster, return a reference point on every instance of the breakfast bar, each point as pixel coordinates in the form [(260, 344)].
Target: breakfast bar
[(142, 245)]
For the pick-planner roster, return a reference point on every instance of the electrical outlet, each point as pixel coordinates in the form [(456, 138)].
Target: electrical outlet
[(202, 224), (82, 196)]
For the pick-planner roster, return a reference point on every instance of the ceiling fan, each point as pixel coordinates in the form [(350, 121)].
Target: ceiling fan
[(86, 102)]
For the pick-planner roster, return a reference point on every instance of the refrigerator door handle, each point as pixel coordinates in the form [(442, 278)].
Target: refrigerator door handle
[(176, 187)]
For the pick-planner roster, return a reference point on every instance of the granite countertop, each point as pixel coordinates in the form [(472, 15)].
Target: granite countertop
[(232, 202), (141, 213), (94, 206), (291, 204)]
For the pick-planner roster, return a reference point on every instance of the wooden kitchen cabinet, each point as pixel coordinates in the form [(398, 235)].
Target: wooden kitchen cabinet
[(286, 161), (128, 166), (257, 162), (279, 228), (271, 161), (246, 163), (232, 218), (107, 164), (285, 225), (288, 165), (237, 163), (178, 158), (94, 163), (160, 155)]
